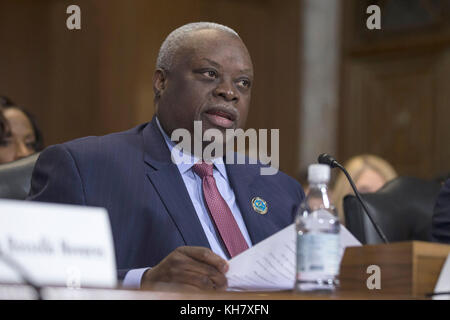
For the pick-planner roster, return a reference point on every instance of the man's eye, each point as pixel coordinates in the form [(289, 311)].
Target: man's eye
[(244, 83), (210, 74)]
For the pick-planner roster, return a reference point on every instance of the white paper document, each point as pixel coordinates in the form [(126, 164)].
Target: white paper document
[(271, 264), (443, 283)]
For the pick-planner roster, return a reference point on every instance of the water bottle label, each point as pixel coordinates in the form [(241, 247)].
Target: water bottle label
[(319, 253)]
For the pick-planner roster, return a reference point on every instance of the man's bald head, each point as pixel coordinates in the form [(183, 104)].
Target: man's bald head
[(176, 39)]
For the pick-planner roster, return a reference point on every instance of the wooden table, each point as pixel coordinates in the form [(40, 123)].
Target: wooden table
[(18, 292)]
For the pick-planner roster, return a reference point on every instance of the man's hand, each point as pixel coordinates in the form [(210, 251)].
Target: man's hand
[(188, 268)]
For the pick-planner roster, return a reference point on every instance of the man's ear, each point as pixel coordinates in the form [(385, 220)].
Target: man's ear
[(159, 82)]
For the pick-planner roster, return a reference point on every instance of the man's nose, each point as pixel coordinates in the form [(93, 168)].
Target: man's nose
[(22, 151), (226, 90)]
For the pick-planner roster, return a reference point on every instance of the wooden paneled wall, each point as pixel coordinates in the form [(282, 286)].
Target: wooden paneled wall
[(395, 84), (98, 79)]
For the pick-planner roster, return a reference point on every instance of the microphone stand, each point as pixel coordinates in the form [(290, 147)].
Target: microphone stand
[(25, 278), (375, 225), (330, 161)]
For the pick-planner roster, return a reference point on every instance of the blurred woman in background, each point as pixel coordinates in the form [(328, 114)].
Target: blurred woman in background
[(19, 134), (369, 172)]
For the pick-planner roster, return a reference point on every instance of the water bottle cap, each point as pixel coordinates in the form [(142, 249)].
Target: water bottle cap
[(318, 173)]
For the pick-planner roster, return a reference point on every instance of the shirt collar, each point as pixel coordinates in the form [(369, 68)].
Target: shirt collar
[(190, 159)]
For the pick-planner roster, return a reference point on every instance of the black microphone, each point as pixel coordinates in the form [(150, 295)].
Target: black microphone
[(329, 160)]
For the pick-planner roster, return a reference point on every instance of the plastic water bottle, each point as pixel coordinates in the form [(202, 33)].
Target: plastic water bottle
[(318, 240)]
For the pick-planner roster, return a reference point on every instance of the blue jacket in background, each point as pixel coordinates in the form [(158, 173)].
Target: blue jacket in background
[(441, 216)]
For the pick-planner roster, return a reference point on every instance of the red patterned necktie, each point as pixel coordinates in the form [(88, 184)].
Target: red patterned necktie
[(223, 218)]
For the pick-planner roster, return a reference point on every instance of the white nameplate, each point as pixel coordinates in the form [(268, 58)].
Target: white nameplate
[(62, 245)]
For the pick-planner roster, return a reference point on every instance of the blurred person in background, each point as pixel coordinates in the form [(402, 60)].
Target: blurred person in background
[(441, 215), (19, 134), (369, 172), (4, 127)]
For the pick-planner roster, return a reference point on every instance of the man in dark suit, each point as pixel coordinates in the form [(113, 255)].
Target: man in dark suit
[(181, 220), (441, 215)]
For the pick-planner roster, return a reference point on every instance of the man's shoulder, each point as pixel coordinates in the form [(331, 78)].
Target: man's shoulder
[(92, 149), (264, 174), (112, 140), (256, 167), (279, 176)]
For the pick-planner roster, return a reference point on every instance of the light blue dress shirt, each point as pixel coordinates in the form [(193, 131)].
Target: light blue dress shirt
[(194, 187)]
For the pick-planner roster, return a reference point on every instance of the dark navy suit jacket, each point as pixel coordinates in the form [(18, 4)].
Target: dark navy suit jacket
[(441, 215), (131, 174)]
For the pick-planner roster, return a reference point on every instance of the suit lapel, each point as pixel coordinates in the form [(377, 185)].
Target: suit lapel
[(169, 184), (244, 180)]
